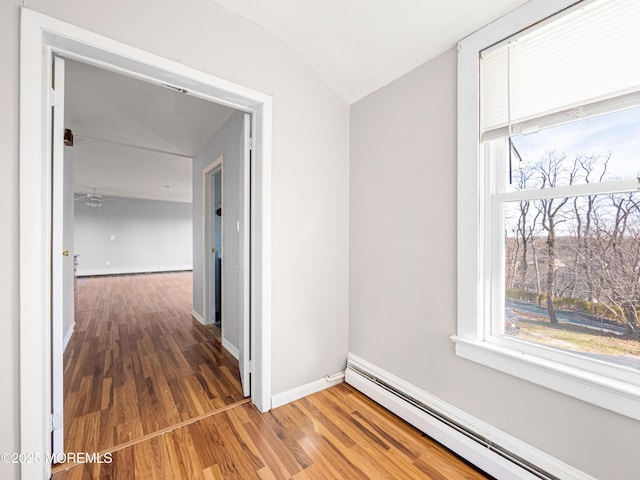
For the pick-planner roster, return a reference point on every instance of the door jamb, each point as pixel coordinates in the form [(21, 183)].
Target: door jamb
[(41, 36)]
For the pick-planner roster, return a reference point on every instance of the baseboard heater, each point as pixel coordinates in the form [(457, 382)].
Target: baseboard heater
[(533, 470)]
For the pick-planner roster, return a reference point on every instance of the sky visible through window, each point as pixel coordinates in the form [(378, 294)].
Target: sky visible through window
[(617, 133)]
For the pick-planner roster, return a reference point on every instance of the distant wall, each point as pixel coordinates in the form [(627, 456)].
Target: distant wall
[(133, 236)]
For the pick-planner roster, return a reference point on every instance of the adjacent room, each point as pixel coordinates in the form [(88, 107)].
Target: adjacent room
[(138, 356)]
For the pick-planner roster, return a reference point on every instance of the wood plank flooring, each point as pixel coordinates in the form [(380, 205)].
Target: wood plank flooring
[(155, 390), (138, 363), (334, 434)]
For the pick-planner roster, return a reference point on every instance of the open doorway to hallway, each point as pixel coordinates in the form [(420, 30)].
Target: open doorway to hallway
[(138, 359), (42, 38)]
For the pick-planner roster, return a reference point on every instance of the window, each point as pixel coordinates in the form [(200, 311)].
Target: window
[(549, 199)]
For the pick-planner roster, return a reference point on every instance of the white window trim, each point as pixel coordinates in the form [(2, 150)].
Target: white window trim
[(595, 382)]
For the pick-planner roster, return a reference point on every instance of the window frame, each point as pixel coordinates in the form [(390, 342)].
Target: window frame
[(597, 382)]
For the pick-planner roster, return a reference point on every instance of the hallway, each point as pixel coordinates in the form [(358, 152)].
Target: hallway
[(138, 362)]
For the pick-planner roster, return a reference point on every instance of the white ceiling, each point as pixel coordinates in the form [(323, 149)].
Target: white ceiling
[(358, 46), (134, 139)]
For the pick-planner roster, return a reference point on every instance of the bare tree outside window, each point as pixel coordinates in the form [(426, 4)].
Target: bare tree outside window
[(572, 263)]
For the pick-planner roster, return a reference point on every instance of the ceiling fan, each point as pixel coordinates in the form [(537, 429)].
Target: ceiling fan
[(95, 200)]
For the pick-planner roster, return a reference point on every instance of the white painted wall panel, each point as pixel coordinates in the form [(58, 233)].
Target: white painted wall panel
[(9, 215), (133, 236)]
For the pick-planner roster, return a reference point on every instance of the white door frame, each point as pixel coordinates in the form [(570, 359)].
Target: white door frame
[(59, 257), (207, 178), (40, 37)]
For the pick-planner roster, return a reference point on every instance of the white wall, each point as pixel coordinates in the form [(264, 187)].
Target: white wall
[(9, 137), (133, 236), (310, 174), (228, 142), (403, 278)]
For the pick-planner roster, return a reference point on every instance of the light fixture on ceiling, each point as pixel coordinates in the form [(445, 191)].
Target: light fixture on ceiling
[(93, 200)]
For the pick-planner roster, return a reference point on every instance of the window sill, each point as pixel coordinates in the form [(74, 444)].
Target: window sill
[(611, 394)]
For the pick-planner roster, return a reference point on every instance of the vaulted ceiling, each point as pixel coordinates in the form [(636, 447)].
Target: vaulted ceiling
[(358, 46), (135, 139)]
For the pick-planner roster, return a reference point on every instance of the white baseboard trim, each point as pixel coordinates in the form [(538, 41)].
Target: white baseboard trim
[(197, 316), (308, 389), (134, 270), (67, 336), (226, 344), (230, 348), (379, 385)]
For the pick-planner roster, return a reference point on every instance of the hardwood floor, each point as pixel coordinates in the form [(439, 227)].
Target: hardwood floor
[(152, 390), (138, 363), (334, 434)]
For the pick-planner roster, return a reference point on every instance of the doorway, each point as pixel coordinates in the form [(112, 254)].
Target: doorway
[(151, 365), (214, 278), (41, 38)]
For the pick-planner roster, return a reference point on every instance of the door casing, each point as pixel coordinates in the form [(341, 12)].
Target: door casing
[(41, 37)]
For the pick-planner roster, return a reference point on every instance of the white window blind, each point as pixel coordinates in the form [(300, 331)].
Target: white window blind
[(575, 64)]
